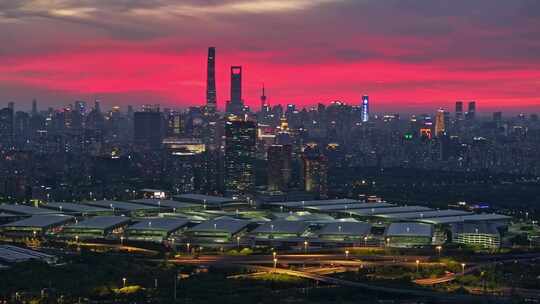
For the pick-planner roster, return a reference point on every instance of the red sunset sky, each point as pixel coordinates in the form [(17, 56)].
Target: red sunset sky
[(408, 55)]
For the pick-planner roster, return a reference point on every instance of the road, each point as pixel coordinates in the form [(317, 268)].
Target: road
[(390, 290)]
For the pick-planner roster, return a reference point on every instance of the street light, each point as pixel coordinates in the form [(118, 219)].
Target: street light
[(439, 249), (274, 254), (275, 263), (187, 247), (305, 246), (77, 239), (124, 282), (463, 268), (347, 254), (417, 265), (238, 242), (122, 240), (365, 241)]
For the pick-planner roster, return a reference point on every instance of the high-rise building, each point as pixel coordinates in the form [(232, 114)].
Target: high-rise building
[(185, 165), (315, 171), (459, 110), (236, 104), (211, 96), (81, 107), (279, 167), (440, 123), (240, 150), (148, 127), (6, 126), (497, 116), (236, 84), (174, 124), (97, 106), (34, 107), (365, 109), (471, 112)]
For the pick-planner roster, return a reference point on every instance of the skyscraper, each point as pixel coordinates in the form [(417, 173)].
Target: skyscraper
[(148, 127), (365, 109), (240, 149), (6, 126), (471, 112), (315, 171), (174, 124), (236, 104), (440, 123), (34, 107), (211, 98), (459, 110), (279, 167), (497, 116)]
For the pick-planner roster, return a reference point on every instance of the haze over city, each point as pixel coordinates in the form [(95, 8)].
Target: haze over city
[(407, 55)]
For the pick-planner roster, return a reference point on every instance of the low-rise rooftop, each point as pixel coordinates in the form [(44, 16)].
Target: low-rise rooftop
[(300, 204), (409, 229), (281, 226), (13, 254), (425, 214), (25, 209), (170, 204), (74, 207), (168, 224), (389, 210), (209, 200), (101, 222), (124, 206), (41, 221), (346, 228), (465, 218), (345, 207), (475, 228), (223, 225)]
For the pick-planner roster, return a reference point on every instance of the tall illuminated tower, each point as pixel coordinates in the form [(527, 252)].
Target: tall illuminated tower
[(264, 104), (440, 124), (211, 99), (236, 104), (365, 109)]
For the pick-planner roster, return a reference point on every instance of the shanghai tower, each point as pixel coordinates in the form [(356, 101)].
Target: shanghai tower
[(211, 100)]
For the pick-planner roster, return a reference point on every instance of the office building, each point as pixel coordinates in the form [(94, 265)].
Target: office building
[(315, 171), (240, 149), (497, 116), (6, 126), (459, 110), (175, 126), (148, 127), (471, 111), (279, 167)]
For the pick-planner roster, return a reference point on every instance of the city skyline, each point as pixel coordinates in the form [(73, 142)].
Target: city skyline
[(425, 57)]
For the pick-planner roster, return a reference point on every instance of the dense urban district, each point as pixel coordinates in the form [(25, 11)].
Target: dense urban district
[(332, 203)]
